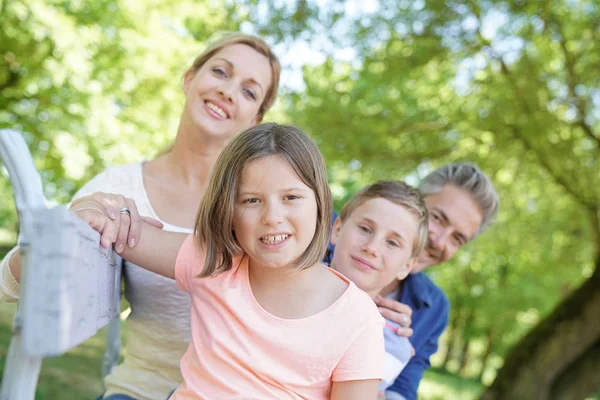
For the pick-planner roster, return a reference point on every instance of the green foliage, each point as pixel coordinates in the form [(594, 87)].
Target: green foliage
[(404, 87)]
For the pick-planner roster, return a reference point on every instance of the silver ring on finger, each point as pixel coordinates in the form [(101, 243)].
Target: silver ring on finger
[(404, 320), (125, 210)]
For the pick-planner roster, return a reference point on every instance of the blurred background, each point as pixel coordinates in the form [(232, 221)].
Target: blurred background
[(388, 89)]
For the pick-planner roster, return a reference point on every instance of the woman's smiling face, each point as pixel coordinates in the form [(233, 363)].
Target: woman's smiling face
[(223, 97)]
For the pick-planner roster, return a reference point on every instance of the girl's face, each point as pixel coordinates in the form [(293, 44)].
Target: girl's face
[(275, 215), (224, 96)]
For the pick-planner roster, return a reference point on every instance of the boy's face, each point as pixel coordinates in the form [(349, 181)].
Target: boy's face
[(373, 246)]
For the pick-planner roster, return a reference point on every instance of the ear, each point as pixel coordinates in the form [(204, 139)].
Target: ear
[(187, 78), (404, 271), (335, 232)]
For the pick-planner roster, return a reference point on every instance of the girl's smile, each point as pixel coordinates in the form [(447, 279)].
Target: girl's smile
[(273, 213)]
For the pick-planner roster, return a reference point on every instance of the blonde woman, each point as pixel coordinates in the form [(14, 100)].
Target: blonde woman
[(228, 88)]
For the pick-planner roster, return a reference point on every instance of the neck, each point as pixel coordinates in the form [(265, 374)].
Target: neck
[(372, 293), (281, 278), (193, 155), (390, 288)]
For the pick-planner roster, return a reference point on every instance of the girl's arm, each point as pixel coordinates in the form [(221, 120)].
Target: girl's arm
[(355, 390), (155, 251)]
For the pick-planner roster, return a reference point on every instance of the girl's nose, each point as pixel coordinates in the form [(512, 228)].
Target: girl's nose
[(273, 214)]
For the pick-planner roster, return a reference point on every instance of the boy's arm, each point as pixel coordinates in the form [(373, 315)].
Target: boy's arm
[(354, 390), (155, 251)]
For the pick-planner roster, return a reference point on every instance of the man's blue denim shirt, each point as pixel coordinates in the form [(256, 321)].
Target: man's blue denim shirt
[(429, 319)]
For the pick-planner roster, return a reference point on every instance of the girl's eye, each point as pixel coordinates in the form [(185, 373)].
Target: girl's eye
[(291, 197), (250, 93), (435, 216), (393, 243), (219, 72), (252, 200), (364, 229)]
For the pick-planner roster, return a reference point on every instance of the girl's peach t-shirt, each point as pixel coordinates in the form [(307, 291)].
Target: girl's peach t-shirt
[(240, 351)]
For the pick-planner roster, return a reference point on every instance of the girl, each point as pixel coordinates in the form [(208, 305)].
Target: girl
[(228, 88), (269, 321)]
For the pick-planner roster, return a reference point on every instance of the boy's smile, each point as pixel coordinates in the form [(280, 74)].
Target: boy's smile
[(374, 245)]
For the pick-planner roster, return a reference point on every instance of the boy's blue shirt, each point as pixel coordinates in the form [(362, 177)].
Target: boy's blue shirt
[(429, 319)]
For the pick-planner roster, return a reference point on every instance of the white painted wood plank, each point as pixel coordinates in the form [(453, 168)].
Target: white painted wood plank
[(73, 288)]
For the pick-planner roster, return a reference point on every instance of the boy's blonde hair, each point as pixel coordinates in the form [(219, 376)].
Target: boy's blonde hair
[(399, 193), (222, 40), (214, 224)]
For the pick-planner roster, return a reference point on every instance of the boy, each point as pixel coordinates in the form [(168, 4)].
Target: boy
[(377, 237)]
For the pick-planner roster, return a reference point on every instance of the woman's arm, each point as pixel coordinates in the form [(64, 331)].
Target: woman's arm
[(9, 283), (14, 264), (156, 250), (355, 390), (127, 229), (128, 226)]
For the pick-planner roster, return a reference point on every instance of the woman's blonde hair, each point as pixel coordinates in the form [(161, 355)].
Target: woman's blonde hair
[(214, 224), (221, 40)]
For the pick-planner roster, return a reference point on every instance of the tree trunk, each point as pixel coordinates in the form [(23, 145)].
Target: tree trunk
[(581, 378), (452, 337), (464, 353), (562, 339), (488, 352)]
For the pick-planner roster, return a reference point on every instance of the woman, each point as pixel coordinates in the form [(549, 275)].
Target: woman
[(228, 89)]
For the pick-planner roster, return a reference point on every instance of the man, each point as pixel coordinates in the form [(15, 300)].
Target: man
[(462, 202)]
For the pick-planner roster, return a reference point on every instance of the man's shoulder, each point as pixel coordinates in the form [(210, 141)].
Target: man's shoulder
[(433, 294)]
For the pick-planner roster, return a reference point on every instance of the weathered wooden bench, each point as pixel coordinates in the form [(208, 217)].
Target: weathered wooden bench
[(70, 286)]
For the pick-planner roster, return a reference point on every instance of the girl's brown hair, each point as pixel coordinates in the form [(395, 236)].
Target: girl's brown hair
[(230, 38), (214, 224)]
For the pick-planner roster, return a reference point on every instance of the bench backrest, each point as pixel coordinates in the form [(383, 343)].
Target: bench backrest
[(70, 287)]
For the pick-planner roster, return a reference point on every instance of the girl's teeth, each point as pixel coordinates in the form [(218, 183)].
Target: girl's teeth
[(274, 239), (216, 109)]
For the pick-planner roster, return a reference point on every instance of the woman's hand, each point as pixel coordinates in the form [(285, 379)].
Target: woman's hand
[(396, 312), (114, 216)]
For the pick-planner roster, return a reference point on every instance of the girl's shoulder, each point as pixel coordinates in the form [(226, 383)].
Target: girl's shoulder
[(351, 298)]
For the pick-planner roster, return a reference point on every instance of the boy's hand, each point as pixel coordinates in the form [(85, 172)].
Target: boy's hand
[(396, 312)]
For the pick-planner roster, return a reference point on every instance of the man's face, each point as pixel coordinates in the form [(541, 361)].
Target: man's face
[(454, 219)]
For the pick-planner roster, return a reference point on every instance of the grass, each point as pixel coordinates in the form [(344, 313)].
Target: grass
[(75, 375), (439, 384)]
